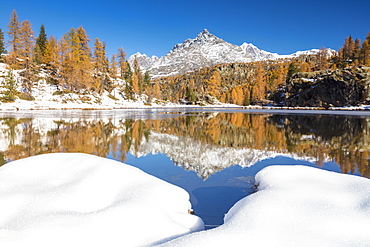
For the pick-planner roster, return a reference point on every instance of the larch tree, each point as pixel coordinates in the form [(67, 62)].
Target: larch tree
[(259, 87), (101, 66), (122, 64), (76, 60), (51, 59), (365, 51), (14, 39), (84, 61), (26, 39), (137, 84), (213, 84), (113, 67)]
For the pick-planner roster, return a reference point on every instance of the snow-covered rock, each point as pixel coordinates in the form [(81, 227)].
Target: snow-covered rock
[(145, 62), (257, 54), (203, 51), (84, 200), (294, 206)]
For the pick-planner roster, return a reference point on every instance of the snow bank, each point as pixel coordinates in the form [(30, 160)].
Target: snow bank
[(295, 206), (84, 200)]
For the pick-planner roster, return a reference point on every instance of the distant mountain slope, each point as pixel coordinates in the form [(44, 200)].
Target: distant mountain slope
[(203, 51)]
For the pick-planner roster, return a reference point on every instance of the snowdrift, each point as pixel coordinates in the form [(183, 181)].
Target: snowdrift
[(84, 200), (295, 206)]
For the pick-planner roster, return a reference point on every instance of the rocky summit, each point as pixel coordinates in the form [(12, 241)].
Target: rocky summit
[(205, 50)]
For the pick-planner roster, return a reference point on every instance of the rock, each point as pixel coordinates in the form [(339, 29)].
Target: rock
[(328, 88)]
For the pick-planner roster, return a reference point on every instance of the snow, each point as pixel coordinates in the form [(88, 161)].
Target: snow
[(84, 200), (294, 206)]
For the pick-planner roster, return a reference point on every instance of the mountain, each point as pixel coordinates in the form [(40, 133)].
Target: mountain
[(144, 60), (207, 50), (203, 51)]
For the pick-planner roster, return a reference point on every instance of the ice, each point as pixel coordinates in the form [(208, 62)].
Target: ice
[(294, 206), (84, 200)]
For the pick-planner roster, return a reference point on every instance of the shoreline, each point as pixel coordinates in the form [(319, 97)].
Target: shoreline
[(32, 107)]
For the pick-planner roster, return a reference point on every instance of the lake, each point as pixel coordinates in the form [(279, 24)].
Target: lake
[(212, 154)]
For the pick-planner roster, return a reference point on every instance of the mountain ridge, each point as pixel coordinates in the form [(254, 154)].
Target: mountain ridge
[(207, 50)]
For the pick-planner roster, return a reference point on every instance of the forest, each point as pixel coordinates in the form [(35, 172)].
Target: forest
[(72, 65)]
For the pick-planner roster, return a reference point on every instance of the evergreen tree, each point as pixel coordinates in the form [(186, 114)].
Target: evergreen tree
[(292, 69), (40, 47), (11, 88), (2, 43)]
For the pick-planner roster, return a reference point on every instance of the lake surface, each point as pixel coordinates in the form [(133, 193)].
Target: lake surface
[(213, 154)]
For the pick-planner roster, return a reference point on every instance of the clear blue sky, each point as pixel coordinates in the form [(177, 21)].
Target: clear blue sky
[(154, 27)]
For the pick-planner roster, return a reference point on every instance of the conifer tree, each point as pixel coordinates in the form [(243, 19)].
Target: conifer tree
[(51, 59), (138, 89), (122, 64), (113, 70), (101, 66), (14, 39), (41, 44), (26, 39), (213, 84), (76, 64), (135, 83), (2, 43), (365, 51), (25, 54), (11, 89), (259, 88)]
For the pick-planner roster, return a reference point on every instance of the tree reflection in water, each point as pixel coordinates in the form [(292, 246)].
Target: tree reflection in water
[(343, 139)]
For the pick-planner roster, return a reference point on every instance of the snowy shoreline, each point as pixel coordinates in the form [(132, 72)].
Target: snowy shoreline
[(66, 199), (21, 106)]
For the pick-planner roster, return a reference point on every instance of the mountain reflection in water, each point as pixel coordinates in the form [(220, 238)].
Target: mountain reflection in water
[(204, 143)]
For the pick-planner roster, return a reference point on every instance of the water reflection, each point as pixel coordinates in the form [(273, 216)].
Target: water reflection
[(204, 146), (202, 142)]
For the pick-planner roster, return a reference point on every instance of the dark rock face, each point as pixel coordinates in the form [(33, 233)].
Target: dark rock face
[(328, 88)]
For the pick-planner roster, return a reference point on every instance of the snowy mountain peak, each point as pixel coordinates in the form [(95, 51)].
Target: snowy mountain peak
[(206, 36), (206, 50), (203, 38), (257, 54)]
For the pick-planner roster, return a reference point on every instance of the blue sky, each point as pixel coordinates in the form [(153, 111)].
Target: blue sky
[(154, 27)]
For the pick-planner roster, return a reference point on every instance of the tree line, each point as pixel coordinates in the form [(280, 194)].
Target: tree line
[(256, 82), (73, 66), (69, 62)]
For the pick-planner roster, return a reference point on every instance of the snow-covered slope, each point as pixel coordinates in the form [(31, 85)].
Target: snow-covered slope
[(206, 50), (203, 51), (144, 60)]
